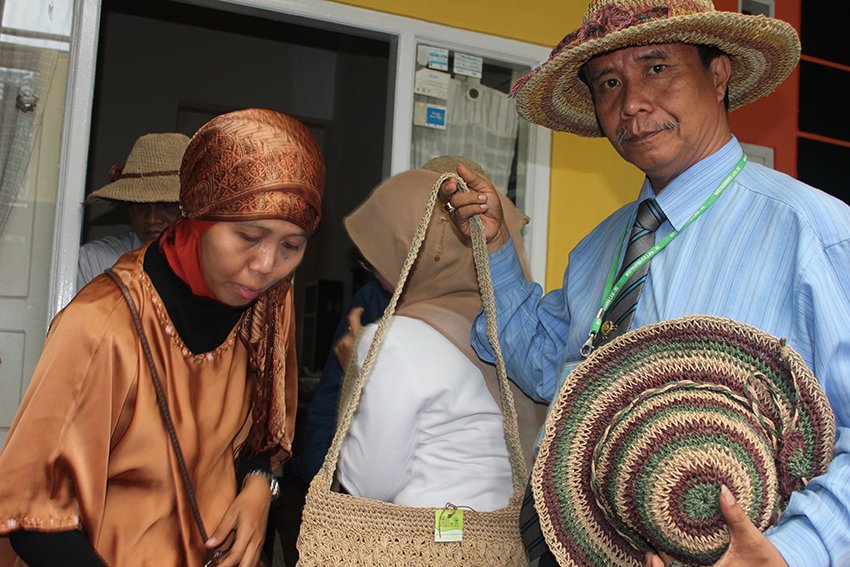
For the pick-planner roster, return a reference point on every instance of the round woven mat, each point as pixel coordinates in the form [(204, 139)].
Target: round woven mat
[(646, 430)]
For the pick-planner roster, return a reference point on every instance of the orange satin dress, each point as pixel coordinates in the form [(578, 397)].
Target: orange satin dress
[(88, 448)]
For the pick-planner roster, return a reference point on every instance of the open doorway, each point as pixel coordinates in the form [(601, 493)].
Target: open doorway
[(164, 66)]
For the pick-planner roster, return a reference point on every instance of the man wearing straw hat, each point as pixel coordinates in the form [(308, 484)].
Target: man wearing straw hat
[(148, 184), (724, 237)]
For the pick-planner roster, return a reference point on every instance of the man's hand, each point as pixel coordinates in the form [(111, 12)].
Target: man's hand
[(748, 546), (482, 199), (247, 516), (344, 346)]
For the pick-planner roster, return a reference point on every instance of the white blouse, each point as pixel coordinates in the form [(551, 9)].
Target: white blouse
[(427, 431)]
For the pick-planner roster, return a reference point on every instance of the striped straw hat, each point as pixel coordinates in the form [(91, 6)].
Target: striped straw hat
[(763, 50), (645, 431), (150, 174)]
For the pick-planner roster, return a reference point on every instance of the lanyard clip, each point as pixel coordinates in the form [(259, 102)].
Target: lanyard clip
[(587, 347)]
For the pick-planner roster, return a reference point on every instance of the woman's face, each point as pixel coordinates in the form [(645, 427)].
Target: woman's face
[(241, 260)]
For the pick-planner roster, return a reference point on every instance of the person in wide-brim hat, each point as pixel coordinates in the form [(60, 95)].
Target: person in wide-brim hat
[(147, 184), (709, 232), (763, 50), (150, 174)]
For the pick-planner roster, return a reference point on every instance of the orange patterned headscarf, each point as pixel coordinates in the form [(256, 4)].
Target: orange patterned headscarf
[(250, 165), (253, 164)]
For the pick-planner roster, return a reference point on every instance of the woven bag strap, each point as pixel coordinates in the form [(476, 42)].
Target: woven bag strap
[(482, 264), (163, 403)]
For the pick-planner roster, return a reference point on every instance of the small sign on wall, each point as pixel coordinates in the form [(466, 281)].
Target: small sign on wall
[(432, 83), (429, 115), (468, 65), (433, 57)]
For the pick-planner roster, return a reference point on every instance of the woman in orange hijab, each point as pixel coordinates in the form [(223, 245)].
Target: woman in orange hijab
[(89, 473)]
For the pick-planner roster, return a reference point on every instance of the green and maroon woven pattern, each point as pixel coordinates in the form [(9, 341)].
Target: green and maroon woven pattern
[(644, 432)]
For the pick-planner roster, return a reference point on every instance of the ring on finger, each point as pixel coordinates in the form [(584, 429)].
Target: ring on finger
[(449, 207)]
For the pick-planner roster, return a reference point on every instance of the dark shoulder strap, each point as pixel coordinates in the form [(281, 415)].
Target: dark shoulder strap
[(163, 403)]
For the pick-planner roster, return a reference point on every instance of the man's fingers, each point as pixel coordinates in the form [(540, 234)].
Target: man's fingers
[(472, 179), (738, 522), (448, 189)]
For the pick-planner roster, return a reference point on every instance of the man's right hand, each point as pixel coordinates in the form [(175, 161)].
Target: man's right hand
[(482, 199)]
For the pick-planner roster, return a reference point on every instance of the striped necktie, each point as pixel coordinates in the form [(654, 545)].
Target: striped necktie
[(619, 316)]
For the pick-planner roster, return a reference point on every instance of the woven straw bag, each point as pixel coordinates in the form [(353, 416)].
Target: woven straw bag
[(341, 529)]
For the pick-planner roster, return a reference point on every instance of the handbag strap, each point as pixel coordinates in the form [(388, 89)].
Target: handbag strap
[(163, 403), (485, 283)]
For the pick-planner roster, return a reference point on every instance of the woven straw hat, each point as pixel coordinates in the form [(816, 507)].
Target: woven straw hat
[(443, 164), (645, 431), (763, 50), (150, 174)]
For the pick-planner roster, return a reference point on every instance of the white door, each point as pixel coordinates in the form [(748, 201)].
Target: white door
[(33, 74)]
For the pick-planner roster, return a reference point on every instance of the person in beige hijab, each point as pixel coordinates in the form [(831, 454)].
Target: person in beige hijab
[(429, 428)]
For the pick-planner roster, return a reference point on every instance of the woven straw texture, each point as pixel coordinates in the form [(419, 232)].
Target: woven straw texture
[(150, 174), (764, 51), (646, 430), (340, 529)]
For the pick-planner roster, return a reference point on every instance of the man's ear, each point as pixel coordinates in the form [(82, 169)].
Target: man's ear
[(721, 70)]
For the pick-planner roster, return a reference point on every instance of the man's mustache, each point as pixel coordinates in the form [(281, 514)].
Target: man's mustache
[(624, 133)]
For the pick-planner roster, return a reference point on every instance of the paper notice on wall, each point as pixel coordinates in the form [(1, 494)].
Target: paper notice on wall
[(468, 65), (433, 57), (432, 83), (429, 115)]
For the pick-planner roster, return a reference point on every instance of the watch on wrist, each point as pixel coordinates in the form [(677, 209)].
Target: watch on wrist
[(274, 486)]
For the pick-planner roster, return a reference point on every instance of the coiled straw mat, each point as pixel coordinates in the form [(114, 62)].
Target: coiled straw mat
[(763, 50), (645, 431)]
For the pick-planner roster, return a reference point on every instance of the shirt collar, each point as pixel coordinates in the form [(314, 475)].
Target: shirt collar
[(683, 196)]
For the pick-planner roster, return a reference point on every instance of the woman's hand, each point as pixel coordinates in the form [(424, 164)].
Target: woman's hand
[(482, 199), (247, 517), (344, 346)]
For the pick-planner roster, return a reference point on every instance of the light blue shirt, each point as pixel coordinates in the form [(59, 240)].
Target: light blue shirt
[(771, 252)]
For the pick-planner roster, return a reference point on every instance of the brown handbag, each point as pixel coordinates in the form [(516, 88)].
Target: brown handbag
[(344, 530)]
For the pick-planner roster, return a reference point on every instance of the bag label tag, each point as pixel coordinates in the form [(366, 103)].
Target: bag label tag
[(448, 525)]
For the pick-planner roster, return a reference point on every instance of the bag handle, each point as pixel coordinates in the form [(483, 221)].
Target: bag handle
[(163, 404), (485, 283)]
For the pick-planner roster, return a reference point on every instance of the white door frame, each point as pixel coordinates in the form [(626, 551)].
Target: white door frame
[(406, 32)]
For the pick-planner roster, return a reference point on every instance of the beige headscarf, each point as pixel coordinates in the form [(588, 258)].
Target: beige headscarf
[(442, 289)]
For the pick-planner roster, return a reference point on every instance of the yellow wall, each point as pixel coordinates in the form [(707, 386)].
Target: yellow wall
[(589, 180)]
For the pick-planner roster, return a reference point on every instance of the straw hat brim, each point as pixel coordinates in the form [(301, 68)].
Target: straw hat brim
[(159, 189), (764, 52), (699, 349)]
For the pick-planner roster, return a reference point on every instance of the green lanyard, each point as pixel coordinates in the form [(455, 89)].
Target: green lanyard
[(612, 289)]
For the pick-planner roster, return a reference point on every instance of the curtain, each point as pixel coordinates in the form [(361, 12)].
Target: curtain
[(25, 74), (481, 124)]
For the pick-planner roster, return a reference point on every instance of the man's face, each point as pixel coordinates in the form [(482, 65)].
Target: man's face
[(150, 219), (659, 107)]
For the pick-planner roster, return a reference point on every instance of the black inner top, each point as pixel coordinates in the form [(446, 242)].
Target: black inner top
[(202, 323)]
